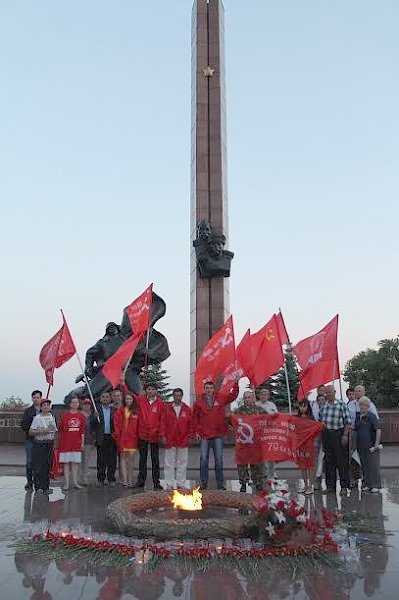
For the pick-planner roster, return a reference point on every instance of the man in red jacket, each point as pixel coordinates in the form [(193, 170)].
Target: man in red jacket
[(211, 427), (176, 431), (150, 408)]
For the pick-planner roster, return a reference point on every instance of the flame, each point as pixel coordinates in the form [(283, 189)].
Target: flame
[(191, 501)]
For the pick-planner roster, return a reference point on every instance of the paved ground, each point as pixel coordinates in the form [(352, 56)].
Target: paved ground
[(372, 567)]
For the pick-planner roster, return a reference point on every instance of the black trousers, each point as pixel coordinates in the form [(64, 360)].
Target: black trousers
[(143, 450), (336, 457), (106, 459), (42, 453)]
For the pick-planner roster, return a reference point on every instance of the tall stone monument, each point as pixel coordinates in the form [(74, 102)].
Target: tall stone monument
[(210, 260)]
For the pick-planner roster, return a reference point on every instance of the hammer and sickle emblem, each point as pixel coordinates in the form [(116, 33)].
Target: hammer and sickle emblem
[(269, 335), (245, 433)]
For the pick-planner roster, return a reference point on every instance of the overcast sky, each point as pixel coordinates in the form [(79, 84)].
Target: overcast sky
[(95, 171)]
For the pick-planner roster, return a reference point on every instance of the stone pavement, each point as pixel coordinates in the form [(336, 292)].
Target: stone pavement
[(372, 558)]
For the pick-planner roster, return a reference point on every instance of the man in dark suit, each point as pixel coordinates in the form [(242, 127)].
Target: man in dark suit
[(102, 428), (26, 422)]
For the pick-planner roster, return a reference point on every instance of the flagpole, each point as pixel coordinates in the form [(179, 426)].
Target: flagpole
[(88, 384), (290, 343), (125, 368), (147, 342), (287, 383), (84, 376), (48, 391)]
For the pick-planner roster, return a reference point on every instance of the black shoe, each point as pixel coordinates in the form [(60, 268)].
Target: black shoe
[(221, 487), (29, 487), (202, 487), (48, 491), (158, 487), (243, 487), (138, 486)]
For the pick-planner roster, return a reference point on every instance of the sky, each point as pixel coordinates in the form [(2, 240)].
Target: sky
[(95, 171)]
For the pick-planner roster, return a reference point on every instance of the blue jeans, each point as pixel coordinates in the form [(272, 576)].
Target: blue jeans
[(217, 445), (28, 451)]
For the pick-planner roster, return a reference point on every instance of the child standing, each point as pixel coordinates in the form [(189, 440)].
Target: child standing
[(126, 437), (43, 429), (368, 437), (72, 429), (305, 412)]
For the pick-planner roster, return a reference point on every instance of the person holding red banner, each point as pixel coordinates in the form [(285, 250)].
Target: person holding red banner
[(71, 442), (126, 437), (211, 426), (264, 402), (249, 407), (336, 419), (305, 412), (176, 433)]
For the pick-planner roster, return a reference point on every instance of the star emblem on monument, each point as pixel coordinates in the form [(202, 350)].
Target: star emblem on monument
[(208, 71)]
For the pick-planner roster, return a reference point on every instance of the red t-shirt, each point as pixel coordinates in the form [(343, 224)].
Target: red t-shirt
[(71, 428)]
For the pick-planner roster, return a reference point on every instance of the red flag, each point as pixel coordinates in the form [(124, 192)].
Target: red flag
[(57, 351), (218, 354), (267, 353), (237, 369), (317, 356), (139, 312), (112, 368)]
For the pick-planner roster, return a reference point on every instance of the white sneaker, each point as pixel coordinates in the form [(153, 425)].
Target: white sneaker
[(375, 490)]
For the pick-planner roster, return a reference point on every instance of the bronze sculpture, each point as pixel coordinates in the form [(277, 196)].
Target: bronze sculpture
[(115, 335), (212, 259)]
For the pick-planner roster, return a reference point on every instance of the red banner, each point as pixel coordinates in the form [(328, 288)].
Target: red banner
[(139, 311), (317, 355), (57, 351), (218, 355), (262, 438), (112, 368)]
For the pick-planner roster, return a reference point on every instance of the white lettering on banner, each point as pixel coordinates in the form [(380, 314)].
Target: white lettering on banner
[(316, 347), (245, 433), (225, 340)]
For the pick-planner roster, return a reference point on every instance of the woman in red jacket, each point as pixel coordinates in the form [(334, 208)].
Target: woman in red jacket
[(125, 435), (71, 435)]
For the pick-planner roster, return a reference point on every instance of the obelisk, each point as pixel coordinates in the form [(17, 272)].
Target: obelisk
[(210, 262)]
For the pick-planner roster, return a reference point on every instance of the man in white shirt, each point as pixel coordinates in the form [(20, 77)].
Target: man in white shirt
[(264, 402), (359, 392), (43, 430)]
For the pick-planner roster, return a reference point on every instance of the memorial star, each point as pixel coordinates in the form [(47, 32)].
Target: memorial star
[(209, 71)]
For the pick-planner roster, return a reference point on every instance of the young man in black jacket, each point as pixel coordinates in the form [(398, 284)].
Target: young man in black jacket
[(26, 422), (104, 441)]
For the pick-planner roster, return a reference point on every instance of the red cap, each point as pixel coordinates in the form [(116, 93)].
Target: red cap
[(86, 401)]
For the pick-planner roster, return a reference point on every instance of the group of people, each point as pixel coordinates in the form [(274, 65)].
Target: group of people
[(122, 424), (350, 441)]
